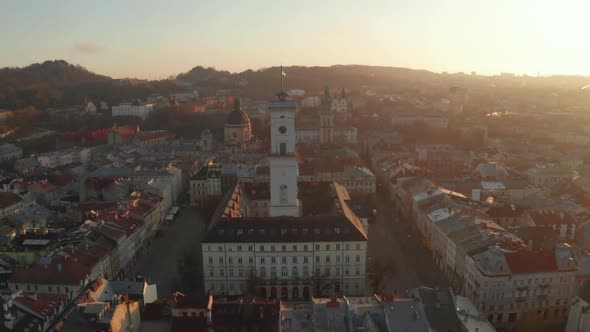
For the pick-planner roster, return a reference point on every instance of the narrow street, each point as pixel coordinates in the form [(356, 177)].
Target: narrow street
[(392, 242), (159, 262)]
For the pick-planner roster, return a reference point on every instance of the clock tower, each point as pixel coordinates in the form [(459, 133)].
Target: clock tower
[(284, 170)]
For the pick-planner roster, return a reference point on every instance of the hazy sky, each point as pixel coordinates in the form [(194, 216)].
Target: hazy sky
[(154, 39)]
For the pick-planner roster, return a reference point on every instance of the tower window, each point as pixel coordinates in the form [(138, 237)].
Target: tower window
[(283, 149)]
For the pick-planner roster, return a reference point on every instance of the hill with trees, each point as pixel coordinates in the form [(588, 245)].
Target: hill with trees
[(58, 83)]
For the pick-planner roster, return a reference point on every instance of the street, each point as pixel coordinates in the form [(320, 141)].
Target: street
[(392, 242), (159, 262)]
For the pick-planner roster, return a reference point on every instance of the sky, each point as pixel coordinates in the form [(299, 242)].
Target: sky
[(156, 39)]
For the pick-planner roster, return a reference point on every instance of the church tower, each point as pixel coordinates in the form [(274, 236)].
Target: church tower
[(284, 170), (326, 119)]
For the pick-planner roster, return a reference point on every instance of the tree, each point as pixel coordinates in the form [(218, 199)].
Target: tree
[(188, 271), (321, 285), (252, 283)]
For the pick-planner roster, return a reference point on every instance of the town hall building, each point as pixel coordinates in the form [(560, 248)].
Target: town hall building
[(298, 243)]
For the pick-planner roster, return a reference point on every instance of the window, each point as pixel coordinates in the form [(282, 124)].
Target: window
[(356, 285), (221, 272), (295, 259), (230, 260), (305, 247), (284, 271), (337, 246), (262, 260), (250, 260), (294, 247), (347, 259), (327, 272), (220, 260), (317, 247), (273, 260), (358, 271), (305, 271), (231, 272), (272, 248), (263, 272), (317, 259), (211, 273), (239, 248), (210, 260), (239, 260), (327, 259), (240, 273), (358, 258), (337, 271), (283, 248), (338, 259), (316, 231), (261, 248), (317, 271), (346, 271), (250, 248), (273, 272), (358, 246), (295, 272)]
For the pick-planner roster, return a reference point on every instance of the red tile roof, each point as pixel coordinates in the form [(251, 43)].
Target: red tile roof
[(44, 305), (72, 273), (531, 262)]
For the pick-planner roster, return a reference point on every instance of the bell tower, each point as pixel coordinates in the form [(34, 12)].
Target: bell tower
[(284, 170)]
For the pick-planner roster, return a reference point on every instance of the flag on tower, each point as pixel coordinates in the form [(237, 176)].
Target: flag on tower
[(283, 72)]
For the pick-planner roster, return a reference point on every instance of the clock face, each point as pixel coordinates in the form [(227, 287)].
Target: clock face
[(282, 129)]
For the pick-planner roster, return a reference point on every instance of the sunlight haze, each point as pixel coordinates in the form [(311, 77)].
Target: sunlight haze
[(155, 39)]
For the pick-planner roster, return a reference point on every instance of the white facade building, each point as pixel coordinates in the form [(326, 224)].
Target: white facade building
[(141, 111), (64, 157), (509, 286)]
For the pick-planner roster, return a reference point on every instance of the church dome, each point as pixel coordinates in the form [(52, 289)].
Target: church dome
[(237, 117)]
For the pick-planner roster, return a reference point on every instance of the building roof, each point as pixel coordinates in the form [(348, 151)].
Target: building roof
[(237, 117), (531, 262), (61, 270), (8, 199), (440, 309), (257, 315), (550, 217), (284, 229), (505, 211)]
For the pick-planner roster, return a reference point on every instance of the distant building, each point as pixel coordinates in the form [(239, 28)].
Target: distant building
[(311, 102), (10, 152), (64, 157), (327, 132), (141, 111), (237, 130)]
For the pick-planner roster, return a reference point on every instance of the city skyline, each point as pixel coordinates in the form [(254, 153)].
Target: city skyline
[(151, 40)]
